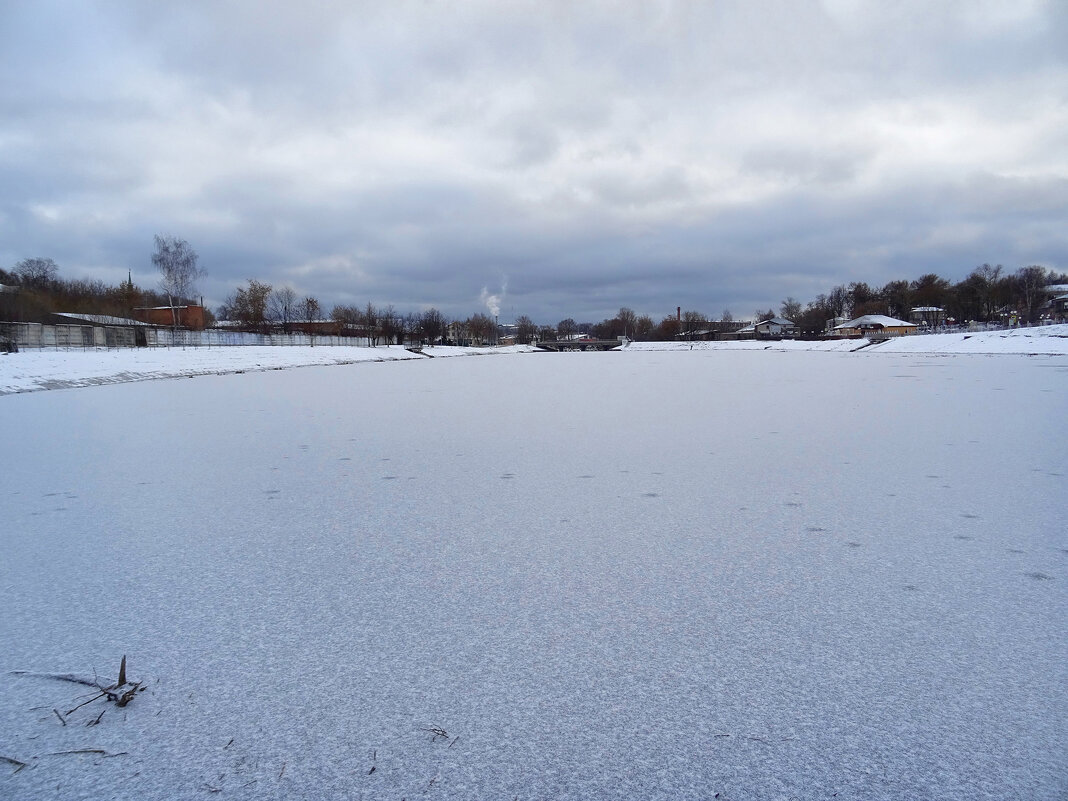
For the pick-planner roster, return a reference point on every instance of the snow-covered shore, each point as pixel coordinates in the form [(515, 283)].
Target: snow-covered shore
[(33, 370), (1050, 340)]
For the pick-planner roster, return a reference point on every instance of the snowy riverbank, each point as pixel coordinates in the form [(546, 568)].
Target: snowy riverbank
[(1050, 340), (33, 370)]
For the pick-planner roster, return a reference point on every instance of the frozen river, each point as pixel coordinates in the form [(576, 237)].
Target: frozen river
[(546, 576)]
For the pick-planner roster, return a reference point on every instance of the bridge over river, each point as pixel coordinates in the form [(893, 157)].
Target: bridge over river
[(581, 344)]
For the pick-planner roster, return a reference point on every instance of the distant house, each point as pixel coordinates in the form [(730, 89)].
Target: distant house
[(834, 322), (1056, 308), (931, 316), (874, 325), (191, 317), (775, 327)]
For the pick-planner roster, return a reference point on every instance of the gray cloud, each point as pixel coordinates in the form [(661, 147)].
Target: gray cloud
[(596, 154)]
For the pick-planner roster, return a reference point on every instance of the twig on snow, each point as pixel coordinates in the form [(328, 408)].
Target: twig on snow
[(18, 763), (83, 703), (61, 720), (97, 751), (437, 731)]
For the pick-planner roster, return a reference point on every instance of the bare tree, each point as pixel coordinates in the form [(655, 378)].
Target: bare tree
[(930, 292), (643, 328), (668, 329), (249, 305), (347, 319), (897, 296), (412, 327), (837, 301), (481, 328), (309, 309), (525, 330), (988, 277), (177, 264), (370, 322), (460, 330), (432, 324), (392, 325), (283, 307), (38, 273), (863, 300), (790, 308), (692, 322), (1032, 284), (628, 319), (566, 329)]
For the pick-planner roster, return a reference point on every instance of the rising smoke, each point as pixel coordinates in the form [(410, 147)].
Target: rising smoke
[(493, 302)]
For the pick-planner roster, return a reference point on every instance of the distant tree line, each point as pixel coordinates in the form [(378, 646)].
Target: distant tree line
[(988, 293), (257, 306), (41, 292)]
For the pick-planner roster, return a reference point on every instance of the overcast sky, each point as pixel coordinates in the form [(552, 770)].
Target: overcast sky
[(571, 157)]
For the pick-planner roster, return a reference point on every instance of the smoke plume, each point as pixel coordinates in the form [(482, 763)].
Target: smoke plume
[(493, 302)]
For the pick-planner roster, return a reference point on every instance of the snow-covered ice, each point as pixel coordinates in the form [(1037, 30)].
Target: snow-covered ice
[(622, 575)]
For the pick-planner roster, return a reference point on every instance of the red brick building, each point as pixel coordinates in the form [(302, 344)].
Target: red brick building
[(191, 317)]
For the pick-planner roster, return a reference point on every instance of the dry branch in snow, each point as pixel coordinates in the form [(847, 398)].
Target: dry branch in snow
[(121, 693)]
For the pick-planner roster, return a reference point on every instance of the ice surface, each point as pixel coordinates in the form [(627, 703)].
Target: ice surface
[(621, 575)]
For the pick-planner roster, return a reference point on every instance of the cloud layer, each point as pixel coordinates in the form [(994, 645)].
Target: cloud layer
[(592, 155)]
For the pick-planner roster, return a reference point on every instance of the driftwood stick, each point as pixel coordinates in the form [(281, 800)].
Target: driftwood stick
[(101, 694)]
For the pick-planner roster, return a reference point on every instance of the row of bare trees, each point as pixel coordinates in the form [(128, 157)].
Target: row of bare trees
[(988, 293), (258, 306)]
